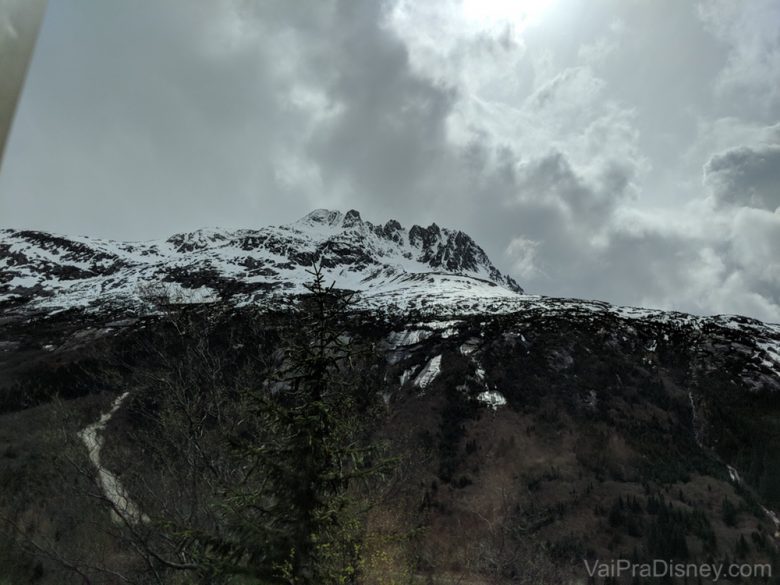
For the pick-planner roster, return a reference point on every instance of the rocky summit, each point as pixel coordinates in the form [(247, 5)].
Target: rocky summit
[(531, 433), (46, 271)]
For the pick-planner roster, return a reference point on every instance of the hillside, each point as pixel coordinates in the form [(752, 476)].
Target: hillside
[(531, 432)]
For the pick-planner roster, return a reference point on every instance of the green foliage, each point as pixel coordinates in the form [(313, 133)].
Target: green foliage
[(742, 548), (457, 411), (668, 530), (617, 513), (301, 525), (666, 539), (728, 512), (16, 567)]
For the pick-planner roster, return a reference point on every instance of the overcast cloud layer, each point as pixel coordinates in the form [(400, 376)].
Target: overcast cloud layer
[(627, 150)]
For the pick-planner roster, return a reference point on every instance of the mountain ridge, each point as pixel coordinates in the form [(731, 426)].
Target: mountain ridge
[(50, 270), (596, 428)]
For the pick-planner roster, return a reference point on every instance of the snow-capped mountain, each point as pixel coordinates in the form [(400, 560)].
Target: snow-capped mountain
[(434, 271), (387, 263), (513, 409)]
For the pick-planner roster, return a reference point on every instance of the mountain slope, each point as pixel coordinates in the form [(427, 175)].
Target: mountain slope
[(530, 439), (534, 431), (47, 271)]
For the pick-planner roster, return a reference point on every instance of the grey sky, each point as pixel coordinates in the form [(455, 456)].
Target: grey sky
[(618, 149)]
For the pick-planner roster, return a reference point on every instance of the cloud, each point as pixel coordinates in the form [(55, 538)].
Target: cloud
[(139, 122), (751, 77), (746, 176), (755, 242), (389, 129), (545, 143), (523, 252), (598, 51)]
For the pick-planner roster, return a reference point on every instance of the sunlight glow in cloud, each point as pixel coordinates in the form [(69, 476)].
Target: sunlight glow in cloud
[(498, 13)]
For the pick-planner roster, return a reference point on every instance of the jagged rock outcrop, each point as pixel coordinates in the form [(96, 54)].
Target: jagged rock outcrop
[(47, 271)]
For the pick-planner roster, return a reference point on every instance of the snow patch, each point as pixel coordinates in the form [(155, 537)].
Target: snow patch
[(469, 347), (480, 373), (429, 373), (407, 375), (492, 399), (405, 338), (770, 354), (446, 328)]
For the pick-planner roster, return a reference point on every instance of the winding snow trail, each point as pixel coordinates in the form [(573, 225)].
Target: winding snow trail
[(124, 510)]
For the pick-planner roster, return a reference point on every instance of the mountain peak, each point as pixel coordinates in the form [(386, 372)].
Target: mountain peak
[(352, 218), (323, 217), (247, 266), (331, 218)]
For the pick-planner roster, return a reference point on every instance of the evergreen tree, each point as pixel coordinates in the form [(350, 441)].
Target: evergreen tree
[(728, 512), (260, 468), (310, 529)]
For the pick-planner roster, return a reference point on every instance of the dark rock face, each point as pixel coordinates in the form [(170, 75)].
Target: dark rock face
[(424, 237), (392, 227), (351, 219)]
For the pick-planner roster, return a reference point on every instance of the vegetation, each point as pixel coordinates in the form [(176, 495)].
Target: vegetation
[(254, 467), (256, 451), (274, 498)]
